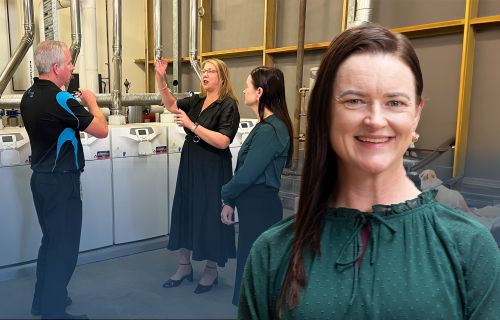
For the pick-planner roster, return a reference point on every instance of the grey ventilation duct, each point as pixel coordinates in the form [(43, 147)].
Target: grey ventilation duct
[(76, 31), (193, 19), (26, 42), (158, 46), (117, 57)]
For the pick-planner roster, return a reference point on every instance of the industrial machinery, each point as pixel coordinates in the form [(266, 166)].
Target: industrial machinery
[(20, 233), (140, 181), (97, 221), (244, 128), (176, 137)]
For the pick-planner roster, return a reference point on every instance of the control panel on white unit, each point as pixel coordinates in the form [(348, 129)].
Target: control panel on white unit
[(11, 147), (246, 125), (136, 140), (8, 141), (142, 134)]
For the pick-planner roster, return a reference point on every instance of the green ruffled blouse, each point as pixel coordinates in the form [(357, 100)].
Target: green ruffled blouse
[(422, 260)]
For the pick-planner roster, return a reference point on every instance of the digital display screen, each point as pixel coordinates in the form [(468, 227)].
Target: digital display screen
[(7, 139), (244, 125), (142, 132), (82, 135)]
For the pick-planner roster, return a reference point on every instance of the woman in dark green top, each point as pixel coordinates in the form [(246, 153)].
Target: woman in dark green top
[(365, 243), (262, 157)]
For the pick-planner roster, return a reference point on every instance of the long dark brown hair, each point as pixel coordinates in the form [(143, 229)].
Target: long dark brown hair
[(319, 173), (272, 82)]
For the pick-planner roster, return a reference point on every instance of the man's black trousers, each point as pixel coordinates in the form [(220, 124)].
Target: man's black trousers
[(58, 206)]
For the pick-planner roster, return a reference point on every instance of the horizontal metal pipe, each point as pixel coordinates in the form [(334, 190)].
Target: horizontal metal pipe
[(135, 99), (10, 101)]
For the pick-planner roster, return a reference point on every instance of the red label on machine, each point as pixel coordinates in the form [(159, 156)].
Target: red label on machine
[(161, 150), (102, 155)]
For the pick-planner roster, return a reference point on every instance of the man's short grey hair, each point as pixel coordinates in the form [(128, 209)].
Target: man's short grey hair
[(48, 53)]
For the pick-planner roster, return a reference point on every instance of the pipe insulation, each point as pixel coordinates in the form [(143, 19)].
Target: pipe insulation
[(24, 45), (10, 101), (88, 55)]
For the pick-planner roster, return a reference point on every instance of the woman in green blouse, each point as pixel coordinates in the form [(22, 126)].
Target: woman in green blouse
[(256, 181), (365, 243)]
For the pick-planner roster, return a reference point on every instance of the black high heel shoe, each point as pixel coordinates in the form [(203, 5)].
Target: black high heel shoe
[(170, 283), (202, 289)]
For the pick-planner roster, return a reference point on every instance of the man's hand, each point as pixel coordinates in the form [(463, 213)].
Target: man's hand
[(88, 97)]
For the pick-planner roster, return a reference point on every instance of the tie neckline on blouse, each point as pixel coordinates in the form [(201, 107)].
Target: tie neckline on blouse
[(361, 220)]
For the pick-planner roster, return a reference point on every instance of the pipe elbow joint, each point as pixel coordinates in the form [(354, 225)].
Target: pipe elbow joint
[(30, 33), (29, 36)]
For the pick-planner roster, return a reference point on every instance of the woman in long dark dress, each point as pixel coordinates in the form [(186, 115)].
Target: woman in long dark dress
[(262, 157), (210, 120)]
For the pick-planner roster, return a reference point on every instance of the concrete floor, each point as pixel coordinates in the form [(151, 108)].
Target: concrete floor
[(129, 287), (125, 282)]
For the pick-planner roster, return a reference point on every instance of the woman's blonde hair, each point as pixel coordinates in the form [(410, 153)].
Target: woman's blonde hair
[(226, 89)]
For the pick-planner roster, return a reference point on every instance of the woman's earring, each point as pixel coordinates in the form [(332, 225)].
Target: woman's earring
[(414, 137)]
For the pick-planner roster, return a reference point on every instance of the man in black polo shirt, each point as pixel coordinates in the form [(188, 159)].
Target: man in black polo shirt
[(54, 119)]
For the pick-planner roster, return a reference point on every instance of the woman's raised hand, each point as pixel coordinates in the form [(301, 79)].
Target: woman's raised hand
[(161, 67)]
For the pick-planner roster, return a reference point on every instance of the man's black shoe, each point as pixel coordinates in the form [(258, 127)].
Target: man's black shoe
[(35, 310), (68, 316)]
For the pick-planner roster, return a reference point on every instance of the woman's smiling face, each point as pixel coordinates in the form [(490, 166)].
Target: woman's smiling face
[(374, 112)]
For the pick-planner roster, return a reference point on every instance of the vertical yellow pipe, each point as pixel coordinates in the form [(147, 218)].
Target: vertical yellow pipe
[(464, 98)]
